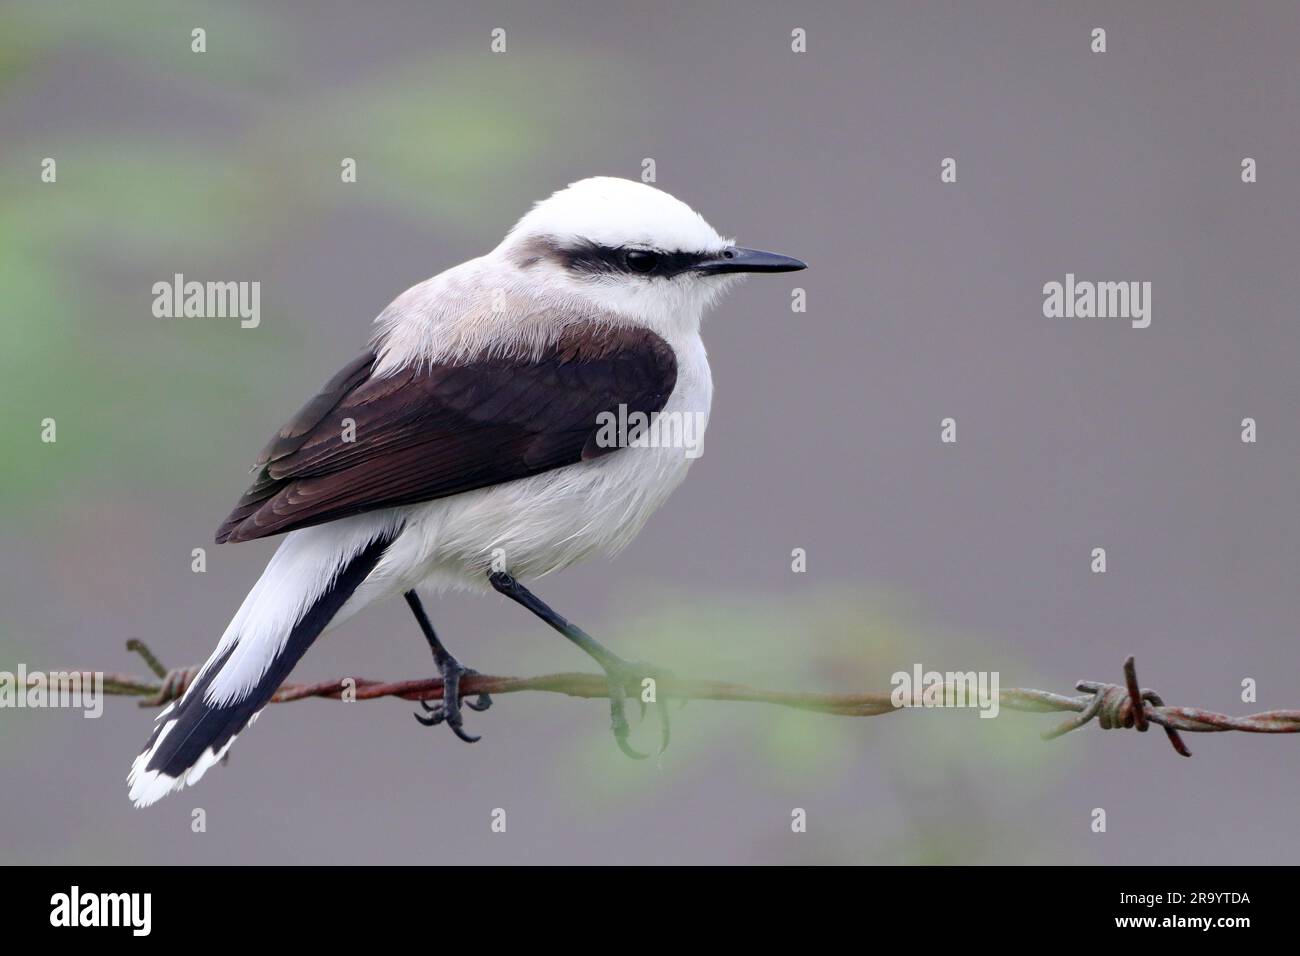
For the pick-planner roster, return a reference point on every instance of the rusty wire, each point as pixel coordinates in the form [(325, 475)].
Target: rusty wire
[(1113, 706)]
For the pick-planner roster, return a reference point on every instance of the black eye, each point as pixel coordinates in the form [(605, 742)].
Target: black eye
[(641, 260)]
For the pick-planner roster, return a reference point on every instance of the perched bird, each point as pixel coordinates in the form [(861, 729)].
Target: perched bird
[(469, 447)]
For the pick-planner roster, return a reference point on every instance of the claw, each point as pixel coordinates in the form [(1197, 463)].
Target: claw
[(468, 738), (628, 749), (665, 730), (432, 721), (618, 718), (620, 676), (447, 710), (482, 702), (622, 731), (437, 715)]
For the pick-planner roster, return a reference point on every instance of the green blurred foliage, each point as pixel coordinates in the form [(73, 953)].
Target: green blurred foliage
[(829, 642), (131, 394)]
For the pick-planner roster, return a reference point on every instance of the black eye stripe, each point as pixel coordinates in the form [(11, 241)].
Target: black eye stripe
[(591, 258)]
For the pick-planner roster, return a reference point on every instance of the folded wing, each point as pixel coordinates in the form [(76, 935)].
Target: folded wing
[(428, 431)]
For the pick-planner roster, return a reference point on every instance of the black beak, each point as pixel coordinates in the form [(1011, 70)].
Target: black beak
[(737, 259)]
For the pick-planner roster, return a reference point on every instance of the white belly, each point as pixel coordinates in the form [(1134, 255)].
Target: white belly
[(537, 525)]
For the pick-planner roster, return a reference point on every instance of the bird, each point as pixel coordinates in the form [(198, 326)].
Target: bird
[(469, 447)]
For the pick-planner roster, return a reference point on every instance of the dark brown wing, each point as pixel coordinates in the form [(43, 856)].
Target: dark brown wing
[(428, 432)]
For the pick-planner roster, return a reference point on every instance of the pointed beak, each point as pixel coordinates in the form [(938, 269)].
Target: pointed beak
[(738, 259)]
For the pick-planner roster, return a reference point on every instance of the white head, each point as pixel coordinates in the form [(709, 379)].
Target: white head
[(629, 248)]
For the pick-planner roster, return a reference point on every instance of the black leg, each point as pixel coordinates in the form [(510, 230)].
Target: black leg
[(621, 673), (448, 709)]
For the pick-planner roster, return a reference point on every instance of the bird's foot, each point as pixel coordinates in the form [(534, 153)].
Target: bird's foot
[(645, 681), (448, 709)]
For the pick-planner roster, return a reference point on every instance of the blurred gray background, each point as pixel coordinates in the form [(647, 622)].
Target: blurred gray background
[(924, 301)]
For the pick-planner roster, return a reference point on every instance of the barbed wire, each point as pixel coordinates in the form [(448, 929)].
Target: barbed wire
[(1113, 706)]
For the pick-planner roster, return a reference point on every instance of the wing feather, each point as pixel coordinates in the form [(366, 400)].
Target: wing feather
[(427, 432)]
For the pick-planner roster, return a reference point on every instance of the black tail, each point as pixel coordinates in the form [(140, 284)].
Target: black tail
[(193, 734)]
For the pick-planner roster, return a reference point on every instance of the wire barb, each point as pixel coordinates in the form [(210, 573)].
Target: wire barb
[(174, 682), (143, 650), (1117, 707)]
